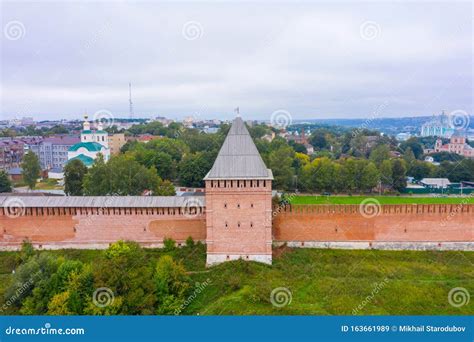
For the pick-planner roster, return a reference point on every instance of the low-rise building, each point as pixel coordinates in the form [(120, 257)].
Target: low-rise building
[(15, 174), (457, 144), (116, 141), (52, 151), (11, 153), (435, 183)]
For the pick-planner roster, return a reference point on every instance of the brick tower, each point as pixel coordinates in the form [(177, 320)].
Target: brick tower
[(239, 201)]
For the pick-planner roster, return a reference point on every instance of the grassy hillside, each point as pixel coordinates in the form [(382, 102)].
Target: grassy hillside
[(321, 282), (381, 199)]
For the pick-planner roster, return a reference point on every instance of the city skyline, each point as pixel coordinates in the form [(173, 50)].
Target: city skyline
[(315, 61)]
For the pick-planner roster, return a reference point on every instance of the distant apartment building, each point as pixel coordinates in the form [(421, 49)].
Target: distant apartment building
[(11, 153), (188, 121), (438, 126), (164, 121), (27, 121), (52, 151), (116, 141)]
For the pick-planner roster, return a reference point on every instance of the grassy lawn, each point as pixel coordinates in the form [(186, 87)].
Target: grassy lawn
[(381, 199), (48, 184), (321, 282)]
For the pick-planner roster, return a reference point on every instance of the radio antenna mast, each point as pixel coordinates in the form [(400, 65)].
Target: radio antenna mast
[(130, 99)]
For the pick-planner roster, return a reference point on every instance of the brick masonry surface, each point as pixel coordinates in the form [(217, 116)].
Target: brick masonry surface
[(238, 219), (388, 223), (322, 226), (93, 228)]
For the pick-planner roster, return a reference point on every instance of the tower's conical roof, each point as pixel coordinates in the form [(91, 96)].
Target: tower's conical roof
[(238, 157)]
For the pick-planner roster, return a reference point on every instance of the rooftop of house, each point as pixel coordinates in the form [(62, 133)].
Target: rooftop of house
[(436, 181), (15, 171), (87, 161), (238, 157), (90, 146), (62, 140)]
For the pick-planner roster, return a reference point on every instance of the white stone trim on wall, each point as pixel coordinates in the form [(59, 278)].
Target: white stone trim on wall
[(85, 245), (214, 259), (383, 245)]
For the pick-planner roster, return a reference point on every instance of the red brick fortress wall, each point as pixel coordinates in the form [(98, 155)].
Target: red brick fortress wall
[(436, 226), (53, 228)]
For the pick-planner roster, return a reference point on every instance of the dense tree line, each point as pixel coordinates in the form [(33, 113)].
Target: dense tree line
[(122, 175), (345, 160), (122, 281)]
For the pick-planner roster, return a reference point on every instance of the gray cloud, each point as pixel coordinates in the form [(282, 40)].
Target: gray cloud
[(308, 58)]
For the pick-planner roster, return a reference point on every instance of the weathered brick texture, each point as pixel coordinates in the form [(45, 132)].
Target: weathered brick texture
[(238, 220), (92, 228), (394, 227), (392, 223)]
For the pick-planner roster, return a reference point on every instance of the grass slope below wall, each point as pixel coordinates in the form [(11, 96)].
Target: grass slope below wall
[(321, 282)]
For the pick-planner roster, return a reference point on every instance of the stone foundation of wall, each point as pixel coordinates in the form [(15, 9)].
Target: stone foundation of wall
[(393, 246), (214, 259)]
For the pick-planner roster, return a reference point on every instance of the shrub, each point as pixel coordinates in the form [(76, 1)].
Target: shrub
[(190, 242), (169, 244), (27, 251), (171, 284)]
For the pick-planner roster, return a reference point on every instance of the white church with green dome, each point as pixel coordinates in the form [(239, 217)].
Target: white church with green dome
[(92, 143)]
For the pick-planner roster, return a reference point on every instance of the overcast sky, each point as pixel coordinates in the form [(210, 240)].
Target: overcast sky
[(313, 60)]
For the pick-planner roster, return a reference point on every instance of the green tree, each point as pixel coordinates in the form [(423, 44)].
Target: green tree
[(414, 145), (420, 169), (399, 174), (349, 174), (379, 154), (31, 169), (386, 173), (172, 283), (164, 188), (30, 286), (280, 161), (5, 183), (370, 178), (97, 181), (318, 139), (122, 175), (319, 175), (124, 270), (177, 149), (409, 157), (58, 305), (194, 167), (74, 173), (164, 164)]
